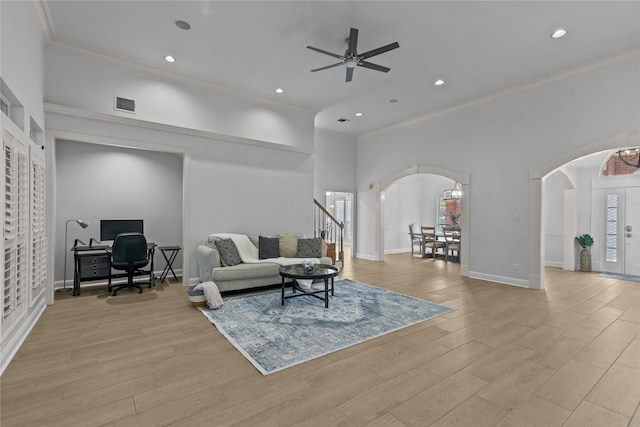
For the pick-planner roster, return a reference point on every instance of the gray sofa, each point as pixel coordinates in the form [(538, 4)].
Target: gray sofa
[(253, 271)]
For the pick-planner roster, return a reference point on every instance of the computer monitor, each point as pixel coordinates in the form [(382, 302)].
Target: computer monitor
[(110, 228)]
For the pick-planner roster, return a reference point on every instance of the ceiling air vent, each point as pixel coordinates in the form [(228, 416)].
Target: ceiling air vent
[(342, 120), (124, 104)]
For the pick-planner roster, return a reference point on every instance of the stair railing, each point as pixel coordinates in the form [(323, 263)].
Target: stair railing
[(330, 229)]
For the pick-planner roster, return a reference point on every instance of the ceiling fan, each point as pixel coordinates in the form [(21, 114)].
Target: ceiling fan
[(351, 57)]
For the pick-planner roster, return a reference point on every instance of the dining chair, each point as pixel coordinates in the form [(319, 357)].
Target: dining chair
[(452, 241), (430, 240), (416, 237)]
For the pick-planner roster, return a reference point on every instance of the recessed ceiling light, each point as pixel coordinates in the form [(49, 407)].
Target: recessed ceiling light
[(438, 82), (183, 25), (560, 32), (169, 58), (279, 90), (358, 114)]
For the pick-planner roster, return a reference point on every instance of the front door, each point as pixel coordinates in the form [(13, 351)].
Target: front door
[(631, 231)]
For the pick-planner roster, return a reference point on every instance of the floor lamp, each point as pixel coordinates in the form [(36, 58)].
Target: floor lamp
[(82, 224)]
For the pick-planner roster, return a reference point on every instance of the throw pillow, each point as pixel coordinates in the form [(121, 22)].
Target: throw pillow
[(288, 245), (310, 248), (268, 247), (211, 241), (228, 252)]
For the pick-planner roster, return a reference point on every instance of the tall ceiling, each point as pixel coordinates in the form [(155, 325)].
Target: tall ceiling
[(479, 48)]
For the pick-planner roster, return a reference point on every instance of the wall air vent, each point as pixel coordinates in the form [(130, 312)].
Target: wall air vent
[(342, 120), (126, 105)]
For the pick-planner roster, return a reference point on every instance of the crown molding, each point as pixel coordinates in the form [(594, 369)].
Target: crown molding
[(42, 16), (129, 121), (335, 134), (611, 61), (135, 65)]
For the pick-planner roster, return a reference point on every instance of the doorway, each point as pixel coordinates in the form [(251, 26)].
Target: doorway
[(616, 225), (340, 204), (631, 231), (465, 188)]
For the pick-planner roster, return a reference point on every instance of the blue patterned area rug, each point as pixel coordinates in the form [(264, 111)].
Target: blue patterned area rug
[(621, 276), (274, 337)]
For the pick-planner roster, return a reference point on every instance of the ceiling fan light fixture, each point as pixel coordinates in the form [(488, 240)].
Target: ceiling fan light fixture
[(351, 57), (560, 32)]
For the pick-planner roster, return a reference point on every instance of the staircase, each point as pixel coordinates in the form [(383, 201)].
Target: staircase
[(331, 230)]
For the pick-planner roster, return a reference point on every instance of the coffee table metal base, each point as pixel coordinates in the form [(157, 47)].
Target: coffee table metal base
[(297, 272), (311, 293)]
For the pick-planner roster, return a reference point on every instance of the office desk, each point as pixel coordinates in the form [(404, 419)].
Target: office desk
[(94, 263)]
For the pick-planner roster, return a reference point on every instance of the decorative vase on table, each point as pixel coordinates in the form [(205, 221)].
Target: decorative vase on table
[(585, 241)]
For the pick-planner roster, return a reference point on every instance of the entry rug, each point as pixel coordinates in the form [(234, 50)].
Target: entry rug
[(274, 337), (621, 276)]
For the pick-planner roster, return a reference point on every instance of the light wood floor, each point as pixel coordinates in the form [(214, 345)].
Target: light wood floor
[(565, 356)]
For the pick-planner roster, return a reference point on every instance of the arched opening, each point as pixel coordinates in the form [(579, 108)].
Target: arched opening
[(461, 179), (537, 240)]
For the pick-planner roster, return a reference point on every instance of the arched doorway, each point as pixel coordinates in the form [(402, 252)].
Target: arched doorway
[(464, 206), (536, 231)]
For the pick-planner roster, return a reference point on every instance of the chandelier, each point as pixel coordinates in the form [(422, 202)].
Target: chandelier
[(454, 193), (630, 156)]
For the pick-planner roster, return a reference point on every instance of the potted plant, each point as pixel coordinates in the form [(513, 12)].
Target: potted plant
[(455, 220), (585, 241)]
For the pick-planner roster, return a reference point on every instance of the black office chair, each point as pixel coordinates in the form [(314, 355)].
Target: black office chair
[(130, 253)]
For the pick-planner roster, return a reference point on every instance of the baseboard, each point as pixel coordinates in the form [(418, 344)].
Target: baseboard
[(553, 264), (365, 256), (397, 251), (512, 281), (11, 347)]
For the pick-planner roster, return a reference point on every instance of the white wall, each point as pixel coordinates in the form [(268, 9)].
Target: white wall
[(91, 85), (231, 186), (412, 199), (553, 215), (496, 145), (335, 159), (22, 61), (95, 182)]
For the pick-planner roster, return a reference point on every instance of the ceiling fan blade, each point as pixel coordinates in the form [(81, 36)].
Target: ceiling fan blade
[(376, 67), (349, 74), (335, 55), (353, 42), (328, 66), (379, 50)]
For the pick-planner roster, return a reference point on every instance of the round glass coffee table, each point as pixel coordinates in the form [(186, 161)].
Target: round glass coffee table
[(297, 272)]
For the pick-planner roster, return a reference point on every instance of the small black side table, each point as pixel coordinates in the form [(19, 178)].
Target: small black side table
[(169, 253)]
